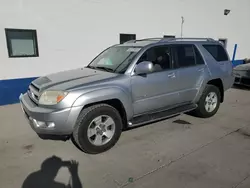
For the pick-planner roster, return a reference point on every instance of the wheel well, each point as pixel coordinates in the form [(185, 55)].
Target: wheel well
[(117, 104), (218, 83)]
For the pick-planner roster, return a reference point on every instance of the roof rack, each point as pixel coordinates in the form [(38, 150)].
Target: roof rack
[(170, 39), (130, 41), (186, 39), (145, 39)]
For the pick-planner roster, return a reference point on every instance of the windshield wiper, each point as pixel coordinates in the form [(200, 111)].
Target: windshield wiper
[(91, 67), (105, 68)]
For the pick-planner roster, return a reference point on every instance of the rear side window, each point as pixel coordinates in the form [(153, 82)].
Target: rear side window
[(217, 51)]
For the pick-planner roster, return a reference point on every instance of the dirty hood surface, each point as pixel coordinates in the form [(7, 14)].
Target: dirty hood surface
[(71, 79)]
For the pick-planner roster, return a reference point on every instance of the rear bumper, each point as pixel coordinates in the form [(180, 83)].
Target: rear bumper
[(46, 121)]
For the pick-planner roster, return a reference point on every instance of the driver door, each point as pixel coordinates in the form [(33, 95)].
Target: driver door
[(157, 90)]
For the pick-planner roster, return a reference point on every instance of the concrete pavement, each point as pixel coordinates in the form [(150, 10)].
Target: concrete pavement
[(180, 152)]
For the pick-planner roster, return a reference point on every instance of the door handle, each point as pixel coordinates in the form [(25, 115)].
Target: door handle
[(171, 75)]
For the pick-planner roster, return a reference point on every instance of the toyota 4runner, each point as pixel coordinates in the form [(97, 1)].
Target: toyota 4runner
[(127, 85)]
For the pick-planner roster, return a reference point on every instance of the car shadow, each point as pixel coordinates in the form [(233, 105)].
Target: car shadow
[(45, 177)]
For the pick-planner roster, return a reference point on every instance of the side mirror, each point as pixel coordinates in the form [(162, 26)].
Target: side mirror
[(144, 67)]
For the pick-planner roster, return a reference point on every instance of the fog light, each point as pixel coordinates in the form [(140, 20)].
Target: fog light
[(39, 124), (42, 124)]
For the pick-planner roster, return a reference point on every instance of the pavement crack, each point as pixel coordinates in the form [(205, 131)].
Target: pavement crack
[(179, 158), (117, 183), (240, 183)]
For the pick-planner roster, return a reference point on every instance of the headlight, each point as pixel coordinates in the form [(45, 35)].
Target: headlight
[(52, 97)]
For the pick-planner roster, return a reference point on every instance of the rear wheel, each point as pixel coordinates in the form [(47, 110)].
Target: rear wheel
[(98, 128), (209, 102)]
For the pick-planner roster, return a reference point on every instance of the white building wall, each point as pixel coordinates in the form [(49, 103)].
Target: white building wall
[(72, 32)]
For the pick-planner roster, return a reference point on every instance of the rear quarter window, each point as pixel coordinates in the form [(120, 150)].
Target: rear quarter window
[(217, 51)]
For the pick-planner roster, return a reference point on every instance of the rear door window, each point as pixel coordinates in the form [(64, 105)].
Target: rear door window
[(217, 51), (184, 55)]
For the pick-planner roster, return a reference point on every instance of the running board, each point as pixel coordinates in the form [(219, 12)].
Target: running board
[(157, 116)]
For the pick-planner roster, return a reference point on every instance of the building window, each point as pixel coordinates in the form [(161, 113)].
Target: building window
[(127, 37), (21, 43), (169, 36), (223, 42)]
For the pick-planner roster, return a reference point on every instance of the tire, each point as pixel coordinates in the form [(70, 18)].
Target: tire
[(87, 121), (201, 110)]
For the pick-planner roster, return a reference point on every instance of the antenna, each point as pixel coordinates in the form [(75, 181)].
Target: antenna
[(182, 22)]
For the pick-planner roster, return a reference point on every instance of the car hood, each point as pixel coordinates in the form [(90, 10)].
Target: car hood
[(243, 67), (71, 79)]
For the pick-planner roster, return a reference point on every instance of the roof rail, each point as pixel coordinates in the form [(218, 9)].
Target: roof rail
[(182, 39), (130, 41), (144, 39), (150, 39)]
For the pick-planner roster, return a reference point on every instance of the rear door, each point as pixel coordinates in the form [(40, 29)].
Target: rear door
[(191, 71)]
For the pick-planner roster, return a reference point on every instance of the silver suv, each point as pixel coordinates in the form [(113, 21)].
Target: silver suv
[(127, 85)]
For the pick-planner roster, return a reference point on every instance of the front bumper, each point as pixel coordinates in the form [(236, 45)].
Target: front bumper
[(242, 77), (242, 81), (46, 121)]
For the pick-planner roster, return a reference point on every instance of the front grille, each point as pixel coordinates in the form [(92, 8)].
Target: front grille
[(33, 93), (245, 81), (237, 79)]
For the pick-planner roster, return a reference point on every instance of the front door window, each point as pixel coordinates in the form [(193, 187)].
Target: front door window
[(160, 57)]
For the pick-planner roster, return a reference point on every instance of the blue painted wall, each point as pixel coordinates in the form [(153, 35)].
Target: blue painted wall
[(11, 89), (237, 62)]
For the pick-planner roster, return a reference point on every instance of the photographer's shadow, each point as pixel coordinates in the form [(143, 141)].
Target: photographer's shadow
[(44, 178)]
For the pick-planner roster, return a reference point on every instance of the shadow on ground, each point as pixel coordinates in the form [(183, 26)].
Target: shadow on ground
[(49, 169), (183, 122)]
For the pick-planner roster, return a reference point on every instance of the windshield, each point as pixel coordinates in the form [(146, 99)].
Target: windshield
[(115, 59)]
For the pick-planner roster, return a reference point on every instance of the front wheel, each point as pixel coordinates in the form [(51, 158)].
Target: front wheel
[(209, 102), (98, 128)]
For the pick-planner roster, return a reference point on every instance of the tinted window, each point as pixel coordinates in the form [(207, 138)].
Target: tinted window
[(184, 55), (127, 37), (198, 57), (217, 52), (169, 36), (159, 56)]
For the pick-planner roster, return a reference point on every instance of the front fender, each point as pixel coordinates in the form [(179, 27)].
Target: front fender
[(104, 94)]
